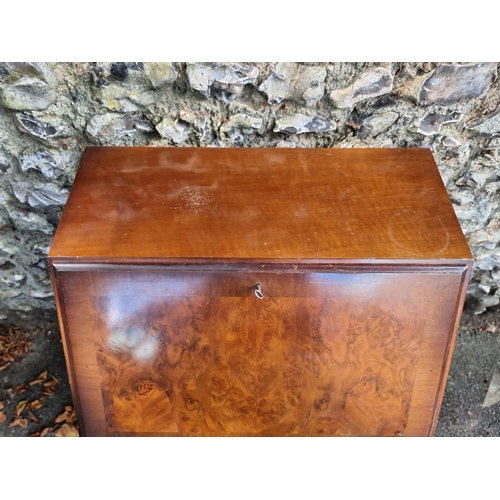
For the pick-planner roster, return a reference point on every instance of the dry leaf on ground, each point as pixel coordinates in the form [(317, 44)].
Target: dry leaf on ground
[(41, 378), (20, 407), (35, 405), (22, 388), (66, 430), (13, 344), (3, 417), (1, 405), (491, 328), (21, 422)]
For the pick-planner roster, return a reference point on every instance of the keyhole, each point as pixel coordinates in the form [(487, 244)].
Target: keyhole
[(258, 291)]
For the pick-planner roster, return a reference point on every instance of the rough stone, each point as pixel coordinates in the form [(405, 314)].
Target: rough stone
[(9, 294), (13, 278), (301, 123), (372, 83), (220, 105), (48, 129), (431, 124), (173, 130), (27, 93), (24, 220), (47, 196), (112, 127), (126, 99), (11, 71), (124, 87), (200, 124), (160, 73), (22, 189), (376, 124), (222, 81), (451, 142), (489, 124), (452, 83), (6, 162), (242, 122), (44, 162), (297, 82)]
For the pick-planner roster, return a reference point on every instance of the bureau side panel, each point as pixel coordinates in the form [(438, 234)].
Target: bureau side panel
[(197, 353)]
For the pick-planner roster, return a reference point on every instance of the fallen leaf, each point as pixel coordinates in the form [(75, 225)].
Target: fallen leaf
[(47, 391), (34, 434), (491, 328), (14, 343), (35, 405), (52, 384), (22, 388), (1, 405), (41, 378), (66, 430), (471, 415), (61, 418), (45, 431), (20, 407), (3, 417), (21, 422), (9, 392), (32, 416)]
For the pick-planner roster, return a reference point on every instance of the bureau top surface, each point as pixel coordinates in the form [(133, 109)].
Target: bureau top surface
[(267, 204)]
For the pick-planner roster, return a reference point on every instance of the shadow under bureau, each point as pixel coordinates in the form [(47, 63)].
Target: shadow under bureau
[(259, 292)]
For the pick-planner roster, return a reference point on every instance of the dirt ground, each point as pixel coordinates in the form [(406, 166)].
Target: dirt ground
[(35, 398)]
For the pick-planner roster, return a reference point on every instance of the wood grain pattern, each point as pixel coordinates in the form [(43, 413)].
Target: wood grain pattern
[(333, 354), (308, 204)]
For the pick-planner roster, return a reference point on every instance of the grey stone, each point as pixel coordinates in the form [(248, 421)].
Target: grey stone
[(222, 81), (200, 123), (173, 130), (431, 124), (241, 121), (124, 87), (297, 82), (21, 190), (41, 294), (372, 83), (6, 162), (111, 127), (15, 70), (9, 294), (47, 196), (44, 162), (451, 142), (126, 99), (48, 129), (376, 124), (13, 278), (160, 73), (452, 83), (301, 123), (489, 124), (27, 93), (24, 220)]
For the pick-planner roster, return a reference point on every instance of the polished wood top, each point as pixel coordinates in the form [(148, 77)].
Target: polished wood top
[(266, 204)]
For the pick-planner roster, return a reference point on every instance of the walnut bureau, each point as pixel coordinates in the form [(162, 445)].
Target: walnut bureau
[(258, 292)]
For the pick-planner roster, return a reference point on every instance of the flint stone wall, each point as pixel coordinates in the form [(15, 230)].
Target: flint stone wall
[(49, 112)]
